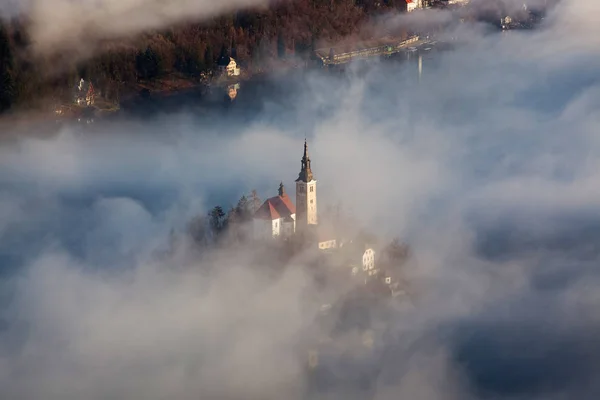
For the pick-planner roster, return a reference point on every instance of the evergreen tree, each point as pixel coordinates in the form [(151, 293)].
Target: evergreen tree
[(232, 225), (244, 209), (209, 58), (280, 46), (255, 201), (216, 220), (224, 54), (7, 80), (148, 64)]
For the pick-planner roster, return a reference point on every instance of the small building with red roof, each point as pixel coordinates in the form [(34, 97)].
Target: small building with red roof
[(276, 217), (279, 217)]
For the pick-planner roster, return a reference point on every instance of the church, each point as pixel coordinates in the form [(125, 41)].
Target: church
[(279, 217)]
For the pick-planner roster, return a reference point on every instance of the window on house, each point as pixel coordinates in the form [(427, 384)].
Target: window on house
[(312, 188), (311, 201)]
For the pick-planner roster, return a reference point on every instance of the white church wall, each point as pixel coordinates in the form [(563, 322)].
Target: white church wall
[(288, 229), (276, 227)]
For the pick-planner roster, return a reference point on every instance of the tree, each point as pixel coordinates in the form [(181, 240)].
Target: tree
[(244, 209), (7, 81), (209, 58), (280, 45), (224, 54), (148, 64), (255, 201), (231, 224), (216, 220)]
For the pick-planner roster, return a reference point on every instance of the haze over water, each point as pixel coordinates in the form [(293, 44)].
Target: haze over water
[(488, 167)]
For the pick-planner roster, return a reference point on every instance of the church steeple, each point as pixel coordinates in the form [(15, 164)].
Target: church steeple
[(281, 189), (305, 174), (306, 194)]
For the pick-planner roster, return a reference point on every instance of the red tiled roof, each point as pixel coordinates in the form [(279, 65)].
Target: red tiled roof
[(286, 202), (267, 211), (275, 208)]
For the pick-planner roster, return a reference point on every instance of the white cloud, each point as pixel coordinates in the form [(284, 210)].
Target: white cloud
[(66, 24), (488, 166)]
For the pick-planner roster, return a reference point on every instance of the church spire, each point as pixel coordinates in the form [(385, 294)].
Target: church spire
[(305, 174)]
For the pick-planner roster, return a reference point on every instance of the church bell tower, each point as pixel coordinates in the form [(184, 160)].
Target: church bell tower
[(306, 194)]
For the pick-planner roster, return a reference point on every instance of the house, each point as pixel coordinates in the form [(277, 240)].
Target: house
[(412, 5), (228, 66), (276, 217), (84, 93), (361, 258)]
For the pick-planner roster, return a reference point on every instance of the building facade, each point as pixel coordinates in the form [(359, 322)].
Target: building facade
[(84, 93), (412, 5), (228, 66), (276, 217)]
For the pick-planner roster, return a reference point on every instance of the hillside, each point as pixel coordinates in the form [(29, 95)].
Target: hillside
[(254, 37)]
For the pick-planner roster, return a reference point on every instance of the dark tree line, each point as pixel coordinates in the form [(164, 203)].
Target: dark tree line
[(7, 71), (252, 37)]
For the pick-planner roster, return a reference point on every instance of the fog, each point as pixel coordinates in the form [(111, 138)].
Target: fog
[(488, 166), (78, 25)]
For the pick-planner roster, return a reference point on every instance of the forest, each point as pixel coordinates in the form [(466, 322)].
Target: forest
[(253, 37)]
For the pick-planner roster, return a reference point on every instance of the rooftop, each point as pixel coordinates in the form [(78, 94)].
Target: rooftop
[(276, 207)]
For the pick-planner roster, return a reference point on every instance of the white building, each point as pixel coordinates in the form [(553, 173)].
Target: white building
[(412, 5), (368, 259), (361, 259), (84, 93), (276, 217), (229, 68)]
